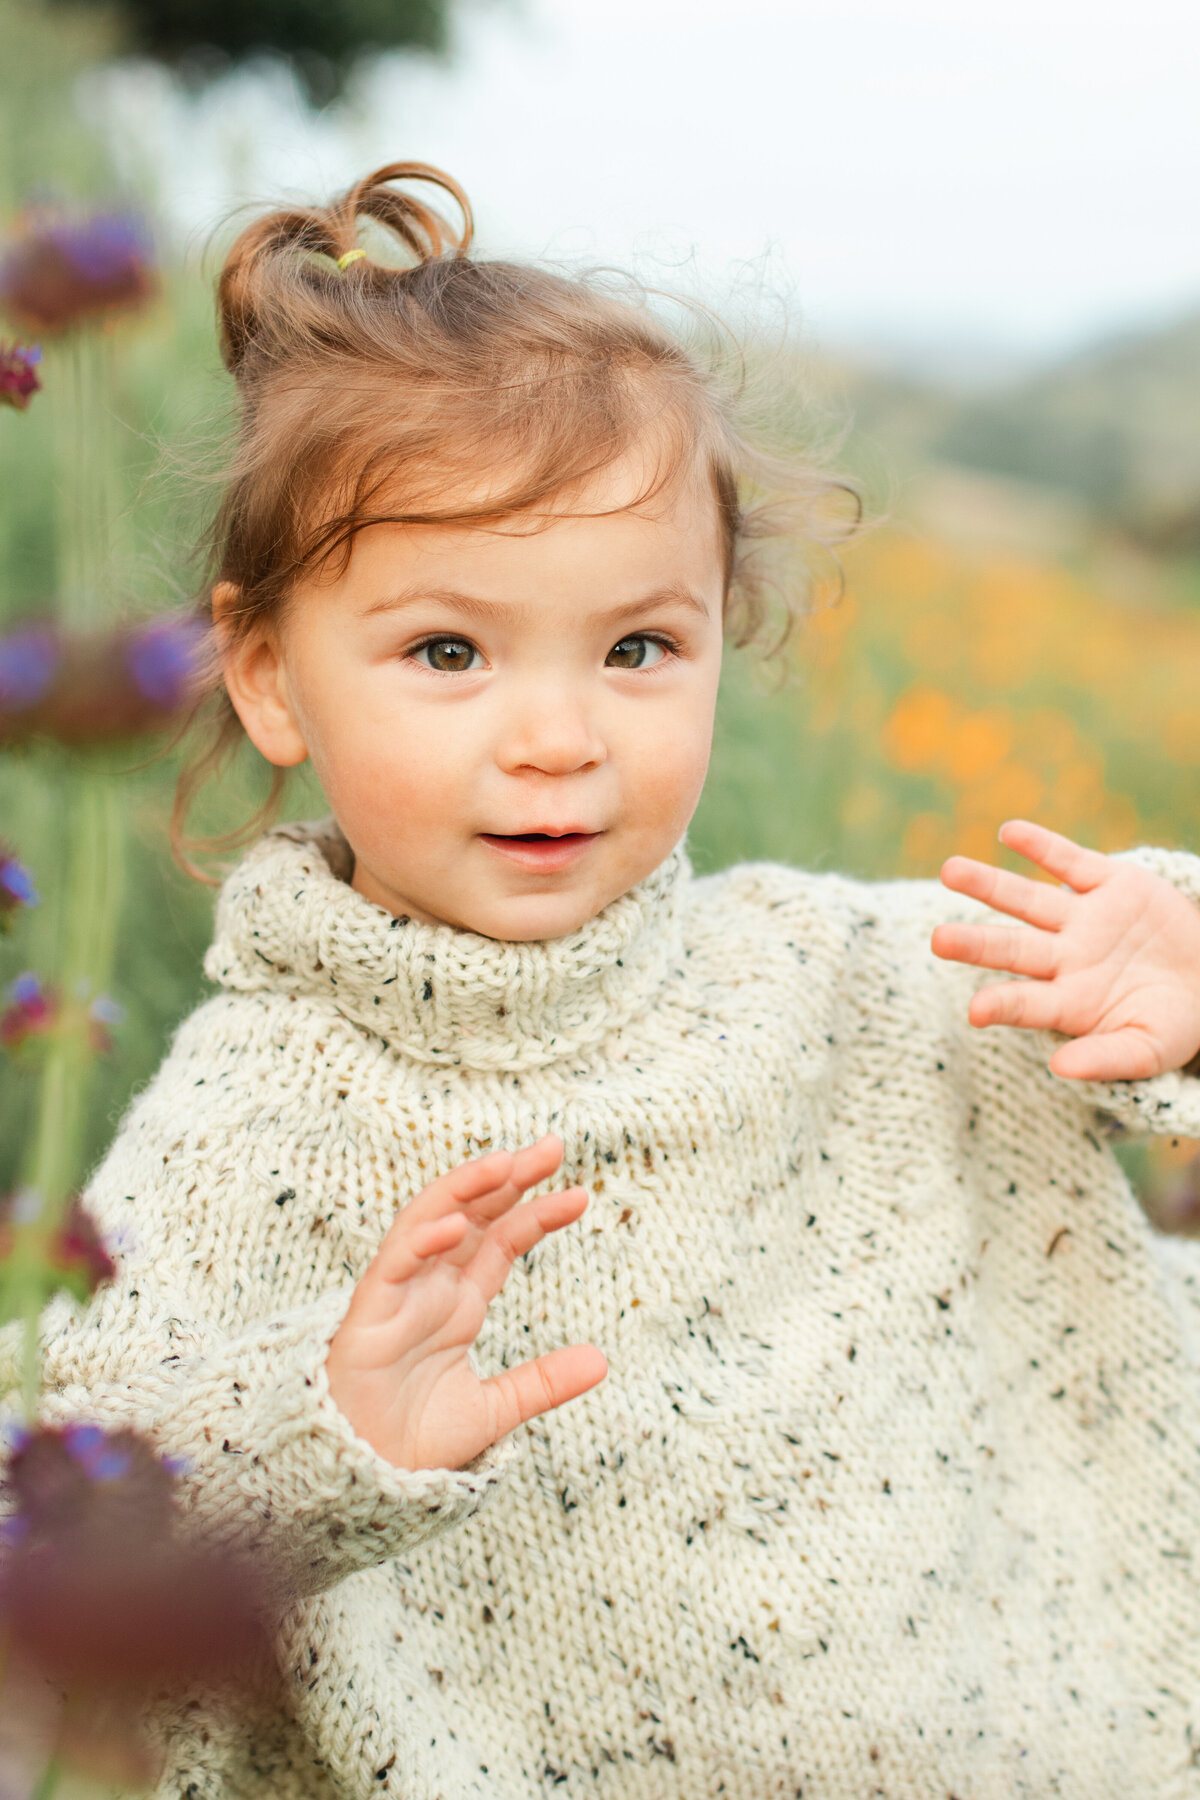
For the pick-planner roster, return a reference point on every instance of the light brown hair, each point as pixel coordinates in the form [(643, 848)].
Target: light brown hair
[(417, 384)]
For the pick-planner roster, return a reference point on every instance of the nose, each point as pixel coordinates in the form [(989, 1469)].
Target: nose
[(549, 730)]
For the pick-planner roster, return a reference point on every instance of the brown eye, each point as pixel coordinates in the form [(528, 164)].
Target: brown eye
[(636, 652), (450, 656)]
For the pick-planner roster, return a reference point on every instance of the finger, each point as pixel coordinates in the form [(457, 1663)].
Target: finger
[(469, 1181), (1029, 1005), (396, 1259), (1081, 869), (1026, 952), (536, 1387), (1005, 892), (537, 1161), (487, 1188), (438, 1235), (1126, 1055), (533, 1163), (518, 1233)]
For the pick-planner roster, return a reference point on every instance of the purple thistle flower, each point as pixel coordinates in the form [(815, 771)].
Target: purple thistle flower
[(97, 1456), (78, 1254), (32, 1011), (16, 887), (162, 659), (62, 270), (107, 1593), (18, 374), (28, 663), (103, 246), (16, 880), (75, 1258)]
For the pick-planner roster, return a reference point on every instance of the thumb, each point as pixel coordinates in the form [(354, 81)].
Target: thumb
[(1130, 1054), (537, 1387)]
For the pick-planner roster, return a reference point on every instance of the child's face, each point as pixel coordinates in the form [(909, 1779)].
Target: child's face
[(462, 692)]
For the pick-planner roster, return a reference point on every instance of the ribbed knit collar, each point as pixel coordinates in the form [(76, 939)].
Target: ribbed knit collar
[(288, 921)]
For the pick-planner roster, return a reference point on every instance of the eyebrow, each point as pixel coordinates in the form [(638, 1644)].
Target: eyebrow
[(474, 606)]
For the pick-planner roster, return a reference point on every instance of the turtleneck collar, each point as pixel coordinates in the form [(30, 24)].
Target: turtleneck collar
[(289, 922)]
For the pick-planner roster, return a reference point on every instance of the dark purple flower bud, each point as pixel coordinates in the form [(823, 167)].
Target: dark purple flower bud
[(16, 887), (70, 1256), (163, 658), (32, 1011), (62, 270), (18, 374), (78, 1255), (29, 660), (100, 687), (105, 1592)]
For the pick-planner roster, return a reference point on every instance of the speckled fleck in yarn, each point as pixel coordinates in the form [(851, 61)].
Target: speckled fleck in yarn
[(893, 1488)]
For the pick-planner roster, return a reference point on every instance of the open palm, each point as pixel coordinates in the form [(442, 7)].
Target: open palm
[(398, 1365), (1112, 958)]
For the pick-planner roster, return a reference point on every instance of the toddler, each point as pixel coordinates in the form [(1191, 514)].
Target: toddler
[(662, 1347)]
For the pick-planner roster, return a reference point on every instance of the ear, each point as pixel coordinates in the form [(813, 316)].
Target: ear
[(256, 681)]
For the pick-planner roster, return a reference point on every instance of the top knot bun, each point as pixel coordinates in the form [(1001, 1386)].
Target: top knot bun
[(291, 256)]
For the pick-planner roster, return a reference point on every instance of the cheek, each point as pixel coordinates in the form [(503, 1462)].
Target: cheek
[(391, 770), (670, 763)]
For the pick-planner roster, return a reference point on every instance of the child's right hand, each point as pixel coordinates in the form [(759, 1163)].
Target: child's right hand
[(398, 1365)]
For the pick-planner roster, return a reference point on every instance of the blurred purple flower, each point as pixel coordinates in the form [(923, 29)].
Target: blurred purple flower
[(16, 887), (162, 658), (96, 687), (74, 1257), (29, 660), (106, 1594), (62, 270), (32, 1011), (102, 1013), (18, 374), (78, 1253)]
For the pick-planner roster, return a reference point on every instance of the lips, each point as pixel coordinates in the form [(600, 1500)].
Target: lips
[(546, 852)]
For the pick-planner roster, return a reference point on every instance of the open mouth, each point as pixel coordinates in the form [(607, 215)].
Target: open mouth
[(545, 850), (543, 837)]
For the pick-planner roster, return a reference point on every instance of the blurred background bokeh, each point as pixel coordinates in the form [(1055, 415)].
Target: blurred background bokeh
[(969, 234)]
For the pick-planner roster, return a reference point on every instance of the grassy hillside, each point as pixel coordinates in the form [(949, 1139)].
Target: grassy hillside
[(1113, 426)]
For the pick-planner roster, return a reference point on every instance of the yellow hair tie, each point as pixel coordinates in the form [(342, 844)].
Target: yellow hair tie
[(350, 256)]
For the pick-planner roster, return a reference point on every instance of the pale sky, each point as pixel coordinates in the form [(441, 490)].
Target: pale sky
[(1008, 175)]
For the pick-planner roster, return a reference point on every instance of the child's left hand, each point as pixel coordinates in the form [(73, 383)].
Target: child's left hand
[(1114, 956)]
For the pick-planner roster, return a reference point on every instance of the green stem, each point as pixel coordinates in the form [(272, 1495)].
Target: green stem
[(93, 897), (86, 458), (30, 1351), (48, 1780)]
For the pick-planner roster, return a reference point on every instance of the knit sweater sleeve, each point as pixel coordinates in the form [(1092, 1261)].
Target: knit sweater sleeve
[(199, 1343)]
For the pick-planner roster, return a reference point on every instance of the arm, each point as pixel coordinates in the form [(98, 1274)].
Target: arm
[(1109, 961), (328, 1423), (269, 1458)]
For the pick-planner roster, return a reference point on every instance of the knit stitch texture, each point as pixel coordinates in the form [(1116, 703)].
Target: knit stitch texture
[(893, 1486)]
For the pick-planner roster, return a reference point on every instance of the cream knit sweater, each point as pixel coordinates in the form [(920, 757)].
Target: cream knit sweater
[(893, 1486)]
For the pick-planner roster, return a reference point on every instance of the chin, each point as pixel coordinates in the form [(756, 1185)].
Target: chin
[(536, 916)]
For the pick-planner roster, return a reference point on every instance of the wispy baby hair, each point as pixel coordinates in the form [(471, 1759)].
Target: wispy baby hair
[(414, 383)]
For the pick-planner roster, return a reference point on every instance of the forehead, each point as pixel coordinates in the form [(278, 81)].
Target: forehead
[(630, 517)]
